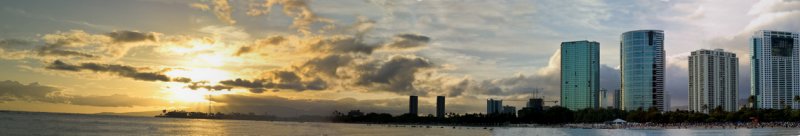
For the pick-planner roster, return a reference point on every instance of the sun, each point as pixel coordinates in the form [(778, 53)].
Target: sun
[(179, 92)]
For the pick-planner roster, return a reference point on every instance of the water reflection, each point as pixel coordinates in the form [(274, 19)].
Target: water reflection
[(643, 132)]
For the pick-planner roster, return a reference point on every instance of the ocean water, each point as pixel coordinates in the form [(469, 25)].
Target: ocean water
[(29, 123)]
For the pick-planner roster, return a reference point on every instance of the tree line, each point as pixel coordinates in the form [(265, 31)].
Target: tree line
[(561, 115)]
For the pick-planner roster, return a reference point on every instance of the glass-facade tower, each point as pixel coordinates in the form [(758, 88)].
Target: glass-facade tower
[(642, 69), (580, 74), (775, 69)]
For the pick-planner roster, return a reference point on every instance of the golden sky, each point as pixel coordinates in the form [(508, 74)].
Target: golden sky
[(310, 57)]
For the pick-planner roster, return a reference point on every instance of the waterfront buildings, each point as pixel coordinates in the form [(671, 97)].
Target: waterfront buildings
[(642, 69), (618, 99), (775, 69), (580, 74), (440, 106), (713, 80), (601, 98), (412, 105), (509, 110), (494, 106), (535, 104)]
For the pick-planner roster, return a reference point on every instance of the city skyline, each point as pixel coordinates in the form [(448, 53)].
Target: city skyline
[(95, 56)]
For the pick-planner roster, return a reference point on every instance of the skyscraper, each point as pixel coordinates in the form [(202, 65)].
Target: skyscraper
[(535, 104), (412, 105), (511, 110), (618, 99), (775, 69), (580, 76), (440, 106), (601, 98), (642, 69), (494, 106), (713, 81)]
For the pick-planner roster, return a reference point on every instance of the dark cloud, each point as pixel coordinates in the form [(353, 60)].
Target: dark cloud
[(261, 43), (34, 92), (15, 44), (405, 41), (285, 107), (272, 80), (396, 75), (204, 85), (678, 84), (342, 44), (327, 65), (115, 69), (132, 36), (115, 100), (52, 51), (77, 43), (15, 91), (609, 78)]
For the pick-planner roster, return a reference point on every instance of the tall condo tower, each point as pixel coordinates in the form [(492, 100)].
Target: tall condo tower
[(713, 81), (580, 74), (775, 69), (440, 106), (642, 69), (412, 105)]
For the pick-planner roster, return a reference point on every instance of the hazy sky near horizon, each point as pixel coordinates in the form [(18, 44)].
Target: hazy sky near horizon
[(296, 57)]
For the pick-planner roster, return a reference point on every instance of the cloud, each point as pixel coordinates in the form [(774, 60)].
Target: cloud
[(115, 69), (77, 43), (14, 49), (271, 80), (609, 78), (340, 44), (200, 6), (132, 36), (406, 41), (396, 75), (221, 9), (303, 16), (261, 43), (280, 106), (15, 91), (35, 92)]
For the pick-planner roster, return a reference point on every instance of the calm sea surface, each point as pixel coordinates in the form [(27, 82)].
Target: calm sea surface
[(26, 123)]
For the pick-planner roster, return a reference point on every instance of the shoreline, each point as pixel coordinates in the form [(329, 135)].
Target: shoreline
[(763, 125)]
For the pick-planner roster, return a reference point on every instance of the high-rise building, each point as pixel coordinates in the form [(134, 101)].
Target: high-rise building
[(535, 104), (618, 99), (440, 106), (667, 101), (642, 69), (713, 80), (775, 69), (601, 98), (494, 106), (580, 75), (509, 110), (412, 105)]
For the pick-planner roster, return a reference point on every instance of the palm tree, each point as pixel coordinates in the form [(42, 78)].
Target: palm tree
[(797, 98), (705, 108)]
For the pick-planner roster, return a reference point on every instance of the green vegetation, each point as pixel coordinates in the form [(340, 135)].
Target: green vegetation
[(561, 115)]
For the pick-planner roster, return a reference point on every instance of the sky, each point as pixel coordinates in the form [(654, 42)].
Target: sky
[(311, 57)]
